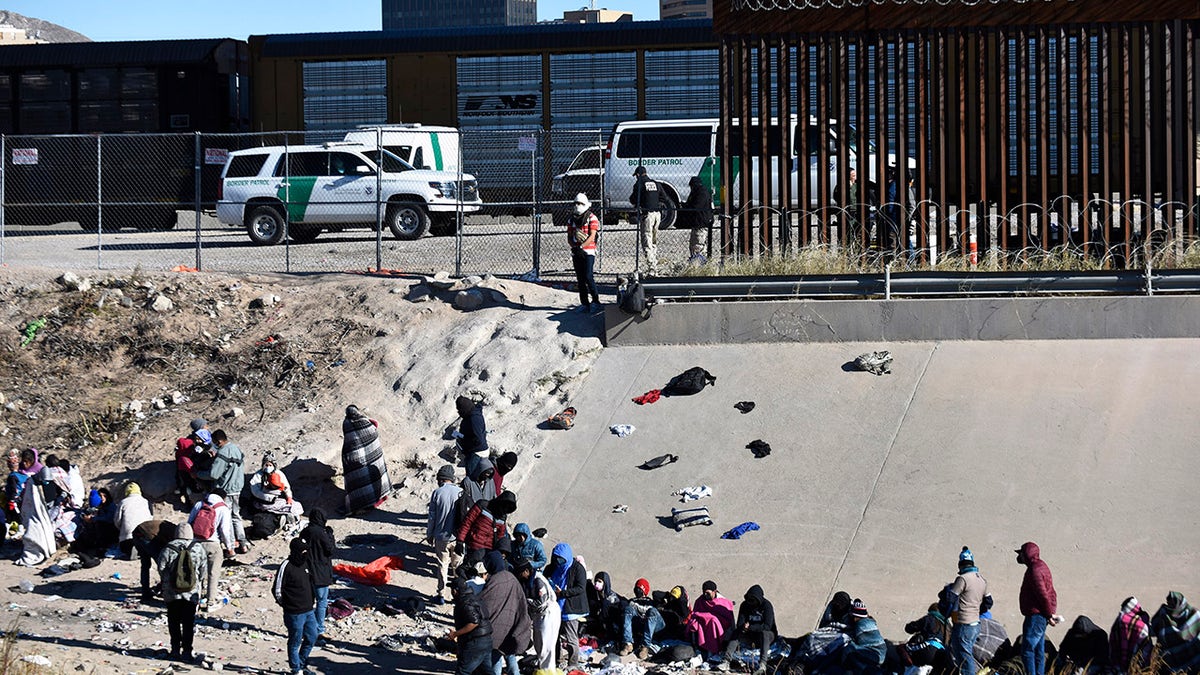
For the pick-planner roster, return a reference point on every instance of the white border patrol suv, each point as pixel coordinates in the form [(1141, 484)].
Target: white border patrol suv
[(300, 191)]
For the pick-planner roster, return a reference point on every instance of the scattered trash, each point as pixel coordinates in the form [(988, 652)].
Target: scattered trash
[(622, 430), (737, 532), (661, 460), (25, 586), (744, 406), (649, 397), (36, 659), (879, 362), (759, 447), (562, 420), (620, 508), (688, 494), (690, 517)]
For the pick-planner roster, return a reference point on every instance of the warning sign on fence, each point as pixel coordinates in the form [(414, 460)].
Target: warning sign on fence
[(216, 156), (526, 144), (25, 156)]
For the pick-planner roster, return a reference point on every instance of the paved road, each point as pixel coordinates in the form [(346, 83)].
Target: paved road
[(497, 245), (874, 483)]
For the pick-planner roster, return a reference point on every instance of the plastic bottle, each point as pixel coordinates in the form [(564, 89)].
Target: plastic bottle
[(26, 586)]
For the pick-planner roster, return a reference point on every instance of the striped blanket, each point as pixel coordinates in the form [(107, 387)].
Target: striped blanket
[(363, 464)]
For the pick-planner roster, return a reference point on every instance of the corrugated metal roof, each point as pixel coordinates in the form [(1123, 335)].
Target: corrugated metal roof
[(141, 53), (484, 39)]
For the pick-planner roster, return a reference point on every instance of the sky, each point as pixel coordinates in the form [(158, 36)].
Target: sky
[(177, 19)]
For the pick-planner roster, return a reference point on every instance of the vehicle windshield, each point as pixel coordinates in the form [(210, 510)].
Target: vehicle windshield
[(391, 163)]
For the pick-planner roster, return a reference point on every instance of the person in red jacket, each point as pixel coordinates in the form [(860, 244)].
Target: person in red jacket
[(485, 527), (1039, 603)]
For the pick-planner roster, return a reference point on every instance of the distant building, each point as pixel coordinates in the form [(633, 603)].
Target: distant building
[(417, 14), (685, 9), (11, 35), (596, 16)]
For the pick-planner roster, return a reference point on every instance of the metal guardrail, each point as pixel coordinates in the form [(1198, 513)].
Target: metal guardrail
[(922, 284)]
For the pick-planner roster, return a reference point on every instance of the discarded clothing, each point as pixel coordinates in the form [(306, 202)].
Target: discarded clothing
[(661, 460), (620, 508), (688, 494), (744, 406), (622, 430), (562, 420), (760, 448), (737, 532), (375, 573), (340, 609), (648, 397), (879, 362), (689, 517), (690, 381)]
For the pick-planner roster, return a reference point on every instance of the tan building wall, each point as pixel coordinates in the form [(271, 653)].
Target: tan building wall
[(596, 16), (11, 35)]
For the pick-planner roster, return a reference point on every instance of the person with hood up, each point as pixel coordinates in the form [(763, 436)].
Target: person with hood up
[(293, 591), (837, 612), (607, 607), (38, 542), (711, 619), (1176, 626), (318, 536), (132, 510), (182, 602), (150, 538), (543, 611), (865, 652), (484, 529), (363, 465), (1129, 644), (1083, 649), (472, 631), (699, 211), (528, 547), (1039, 602), (440, 530), (504, 601), (968, 594), (755, 627), (569, 579), (479, 483), (583, 228), (642, 615), (472, 430)]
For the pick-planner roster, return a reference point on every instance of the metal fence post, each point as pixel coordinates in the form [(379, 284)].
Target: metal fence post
[(3, 178), (287, 201), (460, 216), (196, 169), (378, 200), (542, 137), (458, 232), (99, 201)]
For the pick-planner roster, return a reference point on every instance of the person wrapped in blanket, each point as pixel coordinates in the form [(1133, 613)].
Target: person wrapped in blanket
[(271, 492), (14, 488), (59, 499)]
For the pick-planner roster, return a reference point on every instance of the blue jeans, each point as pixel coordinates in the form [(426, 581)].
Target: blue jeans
[(498, 660), (650, 624), (1033, 645), (302, 635), (322, 605), (962, 647), (472, 652)]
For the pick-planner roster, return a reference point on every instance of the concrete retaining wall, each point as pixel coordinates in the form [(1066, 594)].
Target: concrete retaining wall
[(908, 320)]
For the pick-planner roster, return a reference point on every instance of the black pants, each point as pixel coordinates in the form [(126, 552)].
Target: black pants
[(761, 639), (148, 556), (584, 265), (181, 622)]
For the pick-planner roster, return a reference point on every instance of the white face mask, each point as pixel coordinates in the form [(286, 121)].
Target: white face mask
[(580, 209)]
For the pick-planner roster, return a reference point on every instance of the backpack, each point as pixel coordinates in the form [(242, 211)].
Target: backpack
[(262, 525), (631, 298), (205, 523), (879, 363), (689, 382), (562, 420), (183, 575)]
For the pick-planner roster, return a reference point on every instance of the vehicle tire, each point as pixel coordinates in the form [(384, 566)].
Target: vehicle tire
[(89, 223), (444, 225), (302, 234), (669, 209), (407, 220), (265, 225)]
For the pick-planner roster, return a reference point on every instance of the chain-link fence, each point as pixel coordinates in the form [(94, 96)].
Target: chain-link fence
[(424, 199)]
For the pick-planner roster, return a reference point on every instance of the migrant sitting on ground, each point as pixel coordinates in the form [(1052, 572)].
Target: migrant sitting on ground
[(272, 492), (364, 467), (642, 620), (755, 628), (710, 621)]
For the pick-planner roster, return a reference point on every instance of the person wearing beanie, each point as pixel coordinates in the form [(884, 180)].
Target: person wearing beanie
[(866, 650), (132, 511), (182, 601), (294, 593), (1129, 643), (1038, 602), (149, 539), (642, 615), (472, 429), (755, 627), (711, 619), (439, 528), (213, 525), (1176, 629), (967, 598)]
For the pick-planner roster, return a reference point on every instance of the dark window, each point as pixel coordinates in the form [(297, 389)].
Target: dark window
[(245, 166), (588, 159), (418, 159), (401, 151), (681, 142), (344, 164), (304, 164), (52, 85)]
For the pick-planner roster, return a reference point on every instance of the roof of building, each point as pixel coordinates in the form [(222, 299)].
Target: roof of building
[(140, 53), (486, 39)]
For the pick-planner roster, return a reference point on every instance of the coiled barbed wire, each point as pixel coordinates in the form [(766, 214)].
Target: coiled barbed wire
[(783, 5)]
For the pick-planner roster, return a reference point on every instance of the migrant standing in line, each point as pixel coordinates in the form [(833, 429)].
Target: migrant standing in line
[(364, 467), (1039, 603), (293, 591), (181, 596), (583, 229), (440, 531), (318, 537)]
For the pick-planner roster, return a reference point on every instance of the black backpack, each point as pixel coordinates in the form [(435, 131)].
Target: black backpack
[(632, 298), (689, 382)]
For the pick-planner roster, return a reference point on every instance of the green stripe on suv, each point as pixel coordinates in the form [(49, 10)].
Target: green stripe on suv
[(297, 199), (437, 151)]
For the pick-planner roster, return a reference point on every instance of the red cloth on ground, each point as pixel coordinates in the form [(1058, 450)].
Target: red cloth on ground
[(648, 397), (375, 573)]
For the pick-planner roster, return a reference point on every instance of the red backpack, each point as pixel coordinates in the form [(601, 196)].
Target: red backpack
[(205, 522)]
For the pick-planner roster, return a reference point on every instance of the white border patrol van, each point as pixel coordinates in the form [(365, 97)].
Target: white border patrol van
[(431, 148)]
